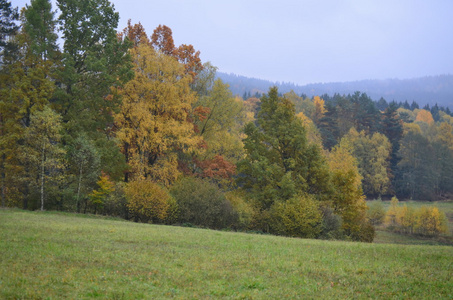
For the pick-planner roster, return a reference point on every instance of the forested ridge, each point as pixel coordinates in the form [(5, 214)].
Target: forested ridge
[(428, 90), (129, 124)]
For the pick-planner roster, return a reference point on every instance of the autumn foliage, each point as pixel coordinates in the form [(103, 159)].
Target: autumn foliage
[(147, 201), (130, 124), (426, 220)]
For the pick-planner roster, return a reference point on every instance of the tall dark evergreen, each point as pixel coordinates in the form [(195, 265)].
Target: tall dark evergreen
[(414, 105), (328, 127), (40, 26), (366, 114), (406, 105), (435, 112), (382, 104), (95, 60), (38, 42), (8, 29), (392, 127)]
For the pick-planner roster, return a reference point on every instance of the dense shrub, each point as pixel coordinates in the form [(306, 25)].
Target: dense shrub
[(243, 209), (331, 224), (147, 201), (297, 217), (116, 203), (366, 233), (202, 203)]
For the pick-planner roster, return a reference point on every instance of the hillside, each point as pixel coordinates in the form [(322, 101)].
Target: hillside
[(424, 90), (59, 255)]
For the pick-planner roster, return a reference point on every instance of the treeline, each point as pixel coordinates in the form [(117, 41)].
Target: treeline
[(131, 125), (400, 151)]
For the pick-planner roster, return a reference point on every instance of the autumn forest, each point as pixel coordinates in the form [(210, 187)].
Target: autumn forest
[(129, 124)]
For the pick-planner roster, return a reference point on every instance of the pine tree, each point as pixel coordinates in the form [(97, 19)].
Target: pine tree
[(8, 29), (40, 26)]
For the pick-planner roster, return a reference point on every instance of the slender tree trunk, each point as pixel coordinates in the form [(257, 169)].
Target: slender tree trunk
[(42, 176), (78, 189), (3, 180)]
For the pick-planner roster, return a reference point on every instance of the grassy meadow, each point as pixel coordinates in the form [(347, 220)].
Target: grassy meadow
[(48, 255)]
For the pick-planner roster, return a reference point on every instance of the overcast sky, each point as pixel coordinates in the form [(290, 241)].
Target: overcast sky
[(307, 41)]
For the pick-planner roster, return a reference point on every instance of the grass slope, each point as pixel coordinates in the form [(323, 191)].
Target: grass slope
[(54, 255)]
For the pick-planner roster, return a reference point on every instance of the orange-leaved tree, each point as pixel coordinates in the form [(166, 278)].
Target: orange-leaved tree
[(424, 116), (162, 40), (135, 33)]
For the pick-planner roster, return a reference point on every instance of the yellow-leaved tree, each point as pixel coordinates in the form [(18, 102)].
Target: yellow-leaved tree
[(320, 109), (99, 195), (148, 202), (153, 122), (348, 198), (430, 221)]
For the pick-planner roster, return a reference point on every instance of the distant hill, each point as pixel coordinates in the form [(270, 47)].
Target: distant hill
[(424, 90)]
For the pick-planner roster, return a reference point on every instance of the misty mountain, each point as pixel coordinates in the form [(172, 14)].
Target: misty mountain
[(424, 90)]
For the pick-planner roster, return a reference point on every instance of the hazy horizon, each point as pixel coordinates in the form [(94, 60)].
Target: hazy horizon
[(334, 82), (305, 42)]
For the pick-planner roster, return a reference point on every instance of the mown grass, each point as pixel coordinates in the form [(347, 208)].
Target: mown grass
[(54, 256)]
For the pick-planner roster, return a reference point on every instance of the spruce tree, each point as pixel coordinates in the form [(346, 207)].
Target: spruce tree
[(8, 29)]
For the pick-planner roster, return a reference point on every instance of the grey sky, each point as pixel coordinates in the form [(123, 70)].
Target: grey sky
[(307, 41)]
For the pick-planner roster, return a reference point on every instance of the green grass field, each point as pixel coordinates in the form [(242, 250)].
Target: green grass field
[(55, 255)]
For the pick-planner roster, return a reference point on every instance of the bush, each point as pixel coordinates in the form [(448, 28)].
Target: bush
[(376, 212), (430, 221), (366, 232), (405, 219), (202, 203), (332, 224), (147, 201), (242, 208), (172, 212), (297, 217), (116, 203)]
